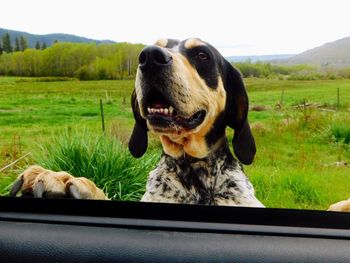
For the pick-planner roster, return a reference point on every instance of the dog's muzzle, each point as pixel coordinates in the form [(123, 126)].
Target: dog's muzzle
[(158, 104)]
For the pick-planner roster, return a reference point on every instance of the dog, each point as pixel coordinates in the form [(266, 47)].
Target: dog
[(187, 94), (341, 206)]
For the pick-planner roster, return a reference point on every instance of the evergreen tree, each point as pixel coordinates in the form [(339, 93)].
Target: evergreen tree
[(17, 48), (0, 48), (43, 46), (37, 45), (6, 43), (23, 43)]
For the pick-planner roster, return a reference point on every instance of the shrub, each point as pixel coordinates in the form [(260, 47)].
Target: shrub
[(341, 132), (291, 72), (103, 160), (84, 73)]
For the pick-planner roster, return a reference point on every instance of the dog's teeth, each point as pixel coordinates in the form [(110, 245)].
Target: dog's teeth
[(164, 111), (171, 109)]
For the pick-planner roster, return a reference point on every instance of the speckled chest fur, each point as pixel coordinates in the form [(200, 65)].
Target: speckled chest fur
[(217, 179)]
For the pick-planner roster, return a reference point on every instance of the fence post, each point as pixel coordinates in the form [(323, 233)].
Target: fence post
[(282, 96), (338, 99), (102, 116), (305, 113)]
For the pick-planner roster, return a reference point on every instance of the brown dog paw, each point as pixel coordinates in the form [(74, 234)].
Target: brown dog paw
[(39, 182), (342, 206)]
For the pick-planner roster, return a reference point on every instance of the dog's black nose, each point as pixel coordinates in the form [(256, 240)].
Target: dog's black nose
[(154, 56)]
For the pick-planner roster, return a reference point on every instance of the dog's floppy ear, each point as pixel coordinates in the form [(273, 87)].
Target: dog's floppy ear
[(236, 115), (138, 140)]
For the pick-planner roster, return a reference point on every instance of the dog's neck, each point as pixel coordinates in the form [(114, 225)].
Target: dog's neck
[(193, 145), (220, 151)]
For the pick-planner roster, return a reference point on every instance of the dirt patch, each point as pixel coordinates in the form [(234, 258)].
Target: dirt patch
[(258, 127), (259, 108)]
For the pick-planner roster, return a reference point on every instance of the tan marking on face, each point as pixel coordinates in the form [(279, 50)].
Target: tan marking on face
[(170, 147), (198, 97), (196, 144), (194, 93), (161, 42), (193, 42)]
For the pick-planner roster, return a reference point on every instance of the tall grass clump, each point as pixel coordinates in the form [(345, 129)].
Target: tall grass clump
[(341, 132), (101, 159), (285, 188)]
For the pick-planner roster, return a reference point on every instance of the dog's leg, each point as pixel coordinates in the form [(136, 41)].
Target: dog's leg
[(342, 206), (39, 182)]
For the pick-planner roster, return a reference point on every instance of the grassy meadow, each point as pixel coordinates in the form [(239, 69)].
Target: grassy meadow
[(301, 129)]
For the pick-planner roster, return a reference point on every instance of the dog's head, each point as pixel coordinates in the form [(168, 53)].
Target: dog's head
[(187, 93)]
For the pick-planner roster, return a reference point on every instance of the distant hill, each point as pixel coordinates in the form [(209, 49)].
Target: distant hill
[(336, 54), (49, 38), (253, 59)]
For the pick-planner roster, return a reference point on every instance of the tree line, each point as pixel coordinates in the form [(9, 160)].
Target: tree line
[(80, 60), (291, 72), (90, 61), (19, 44)]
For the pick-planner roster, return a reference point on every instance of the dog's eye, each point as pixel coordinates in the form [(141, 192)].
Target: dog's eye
[(202, 56)]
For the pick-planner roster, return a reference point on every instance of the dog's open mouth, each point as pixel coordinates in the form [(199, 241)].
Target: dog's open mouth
[(163, 117)]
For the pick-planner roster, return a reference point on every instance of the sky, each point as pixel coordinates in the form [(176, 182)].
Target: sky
[(245, 27)]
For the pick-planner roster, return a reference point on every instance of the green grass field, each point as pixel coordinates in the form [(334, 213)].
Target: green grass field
[(298, 147)]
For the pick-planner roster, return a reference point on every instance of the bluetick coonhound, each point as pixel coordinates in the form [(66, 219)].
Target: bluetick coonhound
[(187, 94)]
